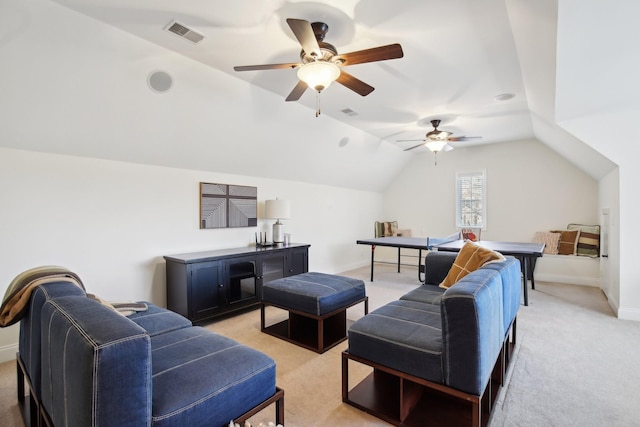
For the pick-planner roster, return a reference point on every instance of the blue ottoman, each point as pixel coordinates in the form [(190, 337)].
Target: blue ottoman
[(317, 304)]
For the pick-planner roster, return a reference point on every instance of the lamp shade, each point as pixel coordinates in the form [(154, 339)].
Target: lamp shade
[(436, 145), (277, 209), (318, 75)]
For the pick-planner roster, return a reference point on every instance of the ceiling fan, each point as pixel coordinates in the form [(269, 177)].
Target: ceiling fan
[(321, 64), (437, 140)]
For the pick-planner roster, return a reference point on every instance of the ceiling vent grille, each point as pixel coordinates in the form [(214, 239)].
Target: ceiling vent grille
[(184, 32)]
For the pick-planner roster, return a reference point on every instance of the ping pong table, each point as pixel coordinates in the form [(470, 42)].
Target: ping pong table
[(419, 243), (525, 252)]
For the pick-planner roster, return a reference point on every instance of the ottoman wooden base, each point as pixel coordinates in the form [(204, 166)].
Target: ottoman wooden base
[(317, 333)]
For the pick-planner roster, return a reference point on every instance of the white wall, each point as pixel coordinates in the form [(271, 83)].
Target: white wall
[(73, 85), (529, 188), (610, 199), (605, 116), (111, 222)]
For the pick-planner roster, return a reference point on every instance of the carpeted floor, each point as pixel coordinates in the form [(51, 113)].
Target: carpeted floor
[(575, 364)]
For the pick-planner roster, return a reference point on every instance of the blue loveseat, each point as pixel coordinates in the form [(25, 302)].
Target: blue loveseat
[(85, 364), (438, 357)]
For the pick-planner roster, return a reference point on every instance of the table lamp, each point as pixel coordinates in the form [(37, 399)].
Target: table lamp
[(277, 209)]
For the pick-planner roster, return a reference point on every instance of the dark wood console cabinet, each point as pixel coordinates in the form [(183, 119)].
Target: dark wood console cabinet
[(203, 285)]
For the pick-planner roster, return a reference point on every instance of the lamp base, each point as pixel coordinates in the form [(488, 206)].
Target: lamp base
[(278, 232)]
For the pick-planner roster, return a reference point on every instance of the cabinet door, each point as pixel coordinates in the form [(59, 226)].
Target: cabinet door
[(297, 261), (270, 267), (207, 289), (242, 284)]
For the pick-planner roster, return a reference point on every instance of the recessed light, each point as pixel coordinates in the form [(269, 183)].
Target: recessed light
[(503, 97)]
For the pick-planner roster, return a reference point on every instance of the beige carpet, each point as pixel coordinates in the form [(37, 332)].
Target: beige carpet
[(575, 365)]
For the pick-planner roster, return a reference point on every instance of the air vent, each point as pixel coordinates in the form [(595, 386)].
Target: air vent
[(184, 32), (349, 112)]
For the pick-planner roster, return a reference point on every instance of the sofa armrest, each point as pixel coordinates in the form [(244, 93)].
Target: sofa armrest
[(472, 330), (96, 365), (30, 336), (437, 265)]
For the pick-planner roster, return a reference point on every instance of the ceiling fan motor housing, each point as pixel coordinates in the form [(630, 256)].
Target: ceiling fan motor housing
[(328, 52)]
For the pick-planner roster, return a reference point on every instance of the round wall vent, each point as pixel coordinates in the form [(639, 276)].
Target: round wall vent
[(159, 81)]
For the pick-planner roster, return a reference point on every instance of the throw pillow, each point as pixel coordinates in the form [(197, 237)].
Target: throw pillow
[(470, 258), (386, 229), (568, 241), (550, 241), (588, 241)]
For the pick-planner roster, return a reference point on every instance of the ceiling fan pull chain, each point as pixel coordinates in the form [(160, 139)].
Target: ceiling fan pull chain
[(317, 103)]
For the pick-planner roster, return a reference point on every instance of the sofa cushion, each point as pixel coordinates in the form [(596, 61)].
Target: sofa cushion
[(404, 335), (315, 293), (96, 365), (427, 294), (471, 257), (204, 379), (437, 265), (156, 320)]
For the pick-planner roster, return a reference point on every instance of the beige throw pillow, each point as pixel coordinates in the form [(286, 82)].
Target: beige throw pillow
[(550, 241)]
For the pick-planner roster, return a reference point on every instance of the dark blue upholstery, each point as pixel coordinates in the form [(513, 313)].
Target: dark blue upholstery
[(156, 320), (187, 362), (511, 294), (96, 365), (427, 294), (315, 293), (405, 335), (451, 336), (30, 340), (472, 330), (437, 266), (100, 368)]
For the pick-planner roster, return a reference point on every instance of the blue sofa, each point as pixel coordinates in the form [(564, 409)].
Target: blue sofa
[(438, 356), (85, 364)]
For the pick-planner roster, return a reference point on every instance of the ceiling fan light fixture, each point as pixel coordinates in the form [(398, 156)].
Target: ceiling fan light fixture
[(436, 145), (318, 75)]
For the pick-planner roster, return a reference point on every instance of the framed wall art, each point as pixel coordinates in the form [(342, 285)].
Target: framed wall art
[(227, 206)]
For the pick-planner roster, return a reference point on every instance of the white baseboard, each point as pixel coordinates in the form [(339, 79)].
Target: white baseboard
[(8, 352), (629, 314), (615, 306), (572, 280)]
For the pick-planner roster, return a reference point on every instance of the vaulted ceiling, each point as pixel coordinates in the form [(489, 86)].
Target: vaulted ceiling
[(459, 55)]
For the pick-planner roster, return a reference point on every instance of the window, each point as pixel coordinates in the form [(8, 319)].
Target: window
[(471, 195)]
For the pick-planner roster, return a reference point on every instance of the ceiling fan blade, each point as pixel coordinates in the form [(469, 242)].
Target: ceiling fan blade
[(381, 53), (297, 91), (415, 146), (356, 85), (462, 138), (304, 33), (266, 66)]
